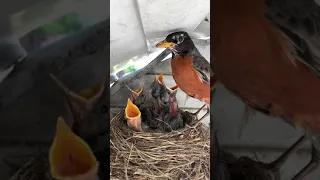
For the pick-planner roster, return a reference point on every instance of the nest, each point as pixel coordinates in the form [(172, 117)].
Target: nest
[(182, 154)]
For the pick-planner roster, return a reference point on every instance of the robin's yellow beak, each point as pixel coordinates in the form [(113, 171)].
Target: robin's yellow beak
[(70, 157), (165, 44), (133, 116)]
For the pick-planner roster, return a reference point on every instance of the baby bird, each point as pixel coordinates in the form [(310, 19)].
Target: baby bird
[(159, 93), (138, 97), (166, 106), (89, 110), (133, 116), (172, 116)]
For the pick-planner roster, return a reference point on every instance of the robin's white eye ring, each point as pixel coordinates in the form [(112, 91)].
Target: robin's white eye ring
[(180, 39)]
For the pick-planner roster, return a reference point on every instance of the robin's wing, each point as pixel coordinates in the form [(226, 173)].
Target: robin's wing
[(299, 22), (203, 68)]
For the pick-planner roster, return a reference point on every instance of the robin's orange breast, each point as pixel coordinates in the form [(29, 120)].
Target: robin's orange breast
[(253, 62), (188, 79)]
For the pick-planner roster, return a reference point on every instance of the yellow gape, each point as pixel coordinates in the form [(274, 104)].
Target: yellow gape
[(70, 157), (133, 116)]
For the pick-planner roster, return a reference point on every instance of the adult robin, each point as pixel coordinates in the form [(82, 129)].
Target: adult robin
[(254, 61), (190, 70), (88, 109), (70, 157)]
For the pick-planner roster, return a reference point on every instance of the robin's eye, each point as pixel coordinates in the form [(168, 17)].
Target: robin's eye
[(180, 39)]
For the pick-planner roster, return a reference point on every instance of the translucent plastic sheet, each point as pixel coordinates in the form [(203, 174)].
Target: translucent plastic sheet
[(127, 39)]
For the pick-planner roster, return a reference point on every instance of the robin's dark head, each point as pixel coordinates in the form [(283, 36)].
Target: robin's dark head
[(178, 41)]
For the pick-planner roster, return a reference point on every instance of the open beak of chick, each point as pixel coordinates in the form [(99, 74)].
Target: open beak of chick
[(173, 89), (70, 157), (93, 93), (133, 116), (172, 100), (159, 79), (87, 97), (134, 94), (80, 104)]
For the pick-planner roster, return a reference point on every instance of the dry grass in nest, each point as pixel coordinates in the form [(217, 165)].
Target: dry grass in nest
[(183, 154)]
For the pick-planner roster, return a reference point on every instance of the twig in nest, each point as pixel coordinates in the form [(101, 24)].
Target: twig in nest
[(126, 170)]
